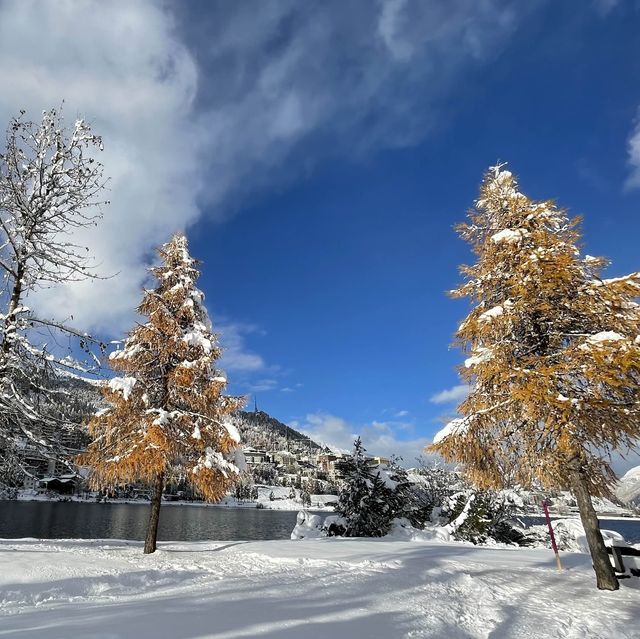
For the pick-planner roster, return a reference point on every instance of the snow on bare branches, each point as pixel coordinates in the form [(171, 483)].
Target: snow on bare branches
[(50, 187)]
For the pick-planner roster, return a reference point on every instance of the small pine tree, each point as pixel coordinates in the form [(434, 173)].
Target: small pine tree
[(167, 414), (365, 501), (408, 500), (554, 357)]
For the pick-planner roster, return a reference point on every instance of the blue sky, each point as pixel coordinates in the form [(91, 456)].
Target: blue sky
[(318, 156)]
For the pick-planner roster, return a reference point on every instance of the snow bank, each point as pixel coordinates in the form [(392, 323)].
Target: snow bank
[(307, 526), (570, 535)]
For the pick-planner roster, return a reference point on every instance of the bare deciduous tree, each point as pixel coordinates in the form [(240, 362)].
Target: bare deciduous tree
[(50, 188)]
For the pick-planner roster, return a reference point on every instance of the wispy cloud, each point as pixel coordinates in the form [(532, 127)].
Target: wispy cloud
[(262, 385), (201, 109), (237, 356), (633, 150), (605, 7), (451, 395)]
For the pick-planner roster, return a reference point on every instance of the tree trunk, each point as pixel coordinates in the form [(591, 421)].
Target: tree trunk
[(154, 516), (605, 575), (10, 320)]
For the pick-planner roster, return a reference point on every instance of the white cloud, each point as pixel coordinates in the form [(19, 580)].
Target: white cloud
[(262, 385), (236, 356), (402, 413), (451, 395), (121, 66), (379, 438), (604, 7), (633, 148), (184, 123)]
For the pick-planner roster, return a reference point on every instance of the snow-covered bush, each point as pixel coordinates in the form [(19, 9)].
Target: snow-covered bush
[(477, 516), (309, 526), (569, 534), (366, 501), (410, 500)]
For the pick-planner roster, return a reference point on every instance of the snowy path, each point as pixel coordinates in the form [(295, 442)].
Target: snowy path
[(312, 589)]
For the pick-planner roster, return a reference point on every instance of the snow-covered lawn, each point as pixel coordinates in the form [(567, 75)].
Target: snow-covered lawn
[(324, 589)]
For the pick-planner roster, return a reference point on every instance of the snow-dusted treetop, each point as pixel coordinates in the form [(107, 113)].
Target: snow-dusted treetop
[(553, 351), (168, 411)]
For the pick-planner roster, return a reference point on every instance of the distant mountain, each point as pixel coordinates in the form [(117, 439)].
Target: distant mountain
[(260, 430), (628, 488), (78, 399)]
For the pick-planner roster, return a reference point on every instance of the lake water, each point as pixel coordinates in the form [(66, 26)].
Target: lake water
[(69, 520)]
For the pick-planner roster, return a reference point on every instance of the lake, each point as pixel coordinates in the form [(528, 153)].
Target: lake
[(73, 520)]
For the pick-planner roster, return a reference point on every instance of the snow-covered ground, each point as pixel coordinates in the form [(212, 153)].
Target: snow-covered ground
[(311, 589)]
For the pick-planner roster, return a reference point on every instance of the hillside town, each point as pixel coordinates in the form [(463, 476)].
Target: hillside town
[(284, 469)]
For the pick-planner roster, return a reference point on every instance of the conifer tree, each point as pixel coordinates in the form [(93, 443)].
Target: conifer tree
[(554, 357), (167, 413), (365, 502)]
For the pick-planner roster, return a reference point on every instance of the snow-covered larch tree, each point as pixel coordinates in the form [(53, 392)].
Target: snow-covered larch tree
[(167, 413), (50, 188), (553, 357)]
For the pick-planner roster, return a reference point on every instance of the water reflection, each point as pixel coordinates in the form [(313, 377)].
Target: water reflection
[(65, 520)]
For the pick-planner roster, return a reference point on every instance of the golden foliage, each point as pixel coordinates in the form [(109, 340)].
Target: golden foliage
[(167, 413), (554, 353)]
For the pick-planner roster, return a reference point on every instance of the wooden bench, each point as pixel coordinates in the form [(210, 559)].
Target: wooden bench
[(620, 553)]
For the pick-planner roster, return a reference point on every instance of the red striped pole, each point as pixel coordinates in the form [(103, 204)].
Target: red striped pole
[(551, 534)]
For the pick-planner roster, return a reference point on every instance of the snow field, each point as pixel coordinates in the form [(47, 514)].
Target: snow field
[(325, 588)]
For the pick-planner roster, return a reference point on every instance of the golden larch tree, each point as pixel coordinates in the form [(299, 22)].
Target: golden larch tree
[(167, 413), (553, 357)]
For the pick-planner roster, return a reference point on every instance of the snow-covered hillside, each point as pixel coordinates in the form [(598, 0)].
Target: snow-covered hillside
[(318, 589), (628, 489), (259, 430)]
